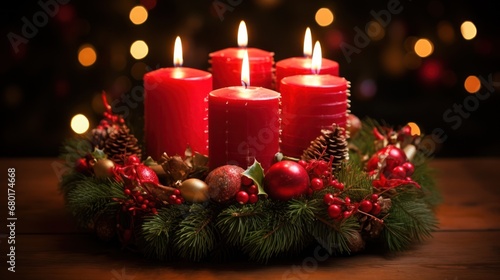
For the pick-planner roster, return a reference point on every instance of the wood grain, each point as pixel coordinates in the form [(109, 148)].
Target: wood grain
[(466, 246)]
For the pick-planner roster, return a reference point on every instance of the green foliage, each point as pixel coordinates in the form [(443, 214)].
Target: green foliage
[(196, 235), (86, 199), (268, 228)]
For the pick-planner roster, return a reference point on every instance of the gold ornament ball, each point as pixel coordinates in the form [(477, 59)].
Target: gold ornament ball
[(354, 125), (103, 168), (194, 190)]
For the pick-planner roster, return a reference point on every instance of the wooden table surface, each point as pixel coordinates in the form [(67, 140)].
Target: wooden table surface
[(48, 246)]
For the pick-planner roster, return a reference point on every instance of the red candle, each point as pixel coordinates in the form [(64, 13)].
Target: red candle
[(311, 103), (226, 64), (243, 125), (176, 109), (302, 65)]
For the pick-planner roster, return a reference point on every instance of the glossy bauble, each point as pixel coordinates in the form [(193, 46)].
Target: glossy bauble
[(104, 168), (146, 175), (224, 182), (354, 125), (285, 180), (194, 190), (394, 156)]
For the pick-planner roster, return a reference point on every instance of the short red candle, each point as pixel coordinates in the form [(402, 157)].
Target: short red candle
[(176, 110), (226, 64), (243, 126), (310, 103), (302, 66)]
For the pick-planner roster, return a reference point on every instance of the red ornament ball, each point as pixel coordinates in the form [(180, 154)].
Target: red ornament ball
[(394, 156), (365, 206), (224, 182), (409, 167), (285, 180)]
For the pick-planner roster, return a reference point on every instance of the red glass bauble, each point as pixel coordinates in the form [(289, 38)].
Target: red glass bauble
[(285, 180)]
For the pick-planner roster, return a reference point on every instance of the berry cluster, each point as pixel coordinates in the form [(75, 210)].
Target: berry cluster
[(339, 208), (321, 174), (248, 192), (403, 171)]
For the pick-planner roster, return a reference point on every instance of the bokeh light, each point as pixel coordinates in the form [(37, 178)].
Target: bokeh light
[(472, 84), (414, 129), (468, 30), (423, 47), (431, 71), (375, 30), (324, 17), (87, 55), (139, 49), (148, 4), (367, 89), (138, 15), (80, 124), (445, 32)]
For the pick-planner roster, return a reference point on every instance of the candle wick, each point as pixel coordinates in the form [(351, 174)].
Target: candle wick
[(243, 83)]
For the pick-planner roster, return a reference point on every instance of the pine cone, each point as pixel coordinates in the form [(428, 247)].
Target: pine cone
[(329, 143), (122, 144), (100, 135)]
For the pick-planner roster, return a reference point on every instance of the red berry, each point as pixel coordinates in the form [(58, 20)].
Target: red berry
[(328, 199), (409, 167), (144, 206), (151, 204), (376, 209), (245, 181), (140, 198), (82, 165), (133, 159), (127, 191), (242, 197), (408, 179), (253, 189), (303, 163), (347, 214), (176, 192), (253, 198), (154, 211), (365, 206), (309, 192), (374, 197), (334, 211), (347, 200), (172, 198), (145, 201), (316, 184), (338, 201), (321, 167), (398, 172), (178, 201)]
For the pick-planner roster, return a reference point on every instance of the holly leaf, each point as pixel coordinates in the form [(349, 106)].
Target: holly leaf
[(256, 173), (99, 154)]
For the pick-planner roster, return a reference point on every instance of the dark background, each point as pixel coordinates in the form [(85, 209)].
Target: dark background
[(43, 85)]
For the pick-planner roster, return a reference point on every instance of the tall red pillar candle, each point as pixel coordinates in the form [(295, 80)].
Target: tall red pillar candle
[(302, 65), (176, 109), (309, 104), (226, 64), (243, 126)]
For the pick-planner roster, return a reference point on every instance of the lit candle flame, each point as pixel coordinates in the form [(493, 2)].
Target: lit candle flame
[(307, 43), (245, 70), (242, 35), (178, 52), (316, 58)]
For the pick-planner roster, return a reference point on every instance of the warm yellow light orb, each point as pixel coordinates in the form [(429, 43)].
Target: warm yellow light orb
[(138, 15), (469, 30), (324, 17), (472, 84), (87, 55), (80, 124), (139, 49), (423, 47)]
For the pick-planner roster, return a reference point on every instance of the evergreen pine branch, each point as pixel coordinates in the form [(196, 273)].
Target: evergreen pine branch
[(409, 220), (196, 235), (73, 149), (277, 236), (333, 236), (236, 221), (157, 232), (425, 176), (91, 197), (357, 183)]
